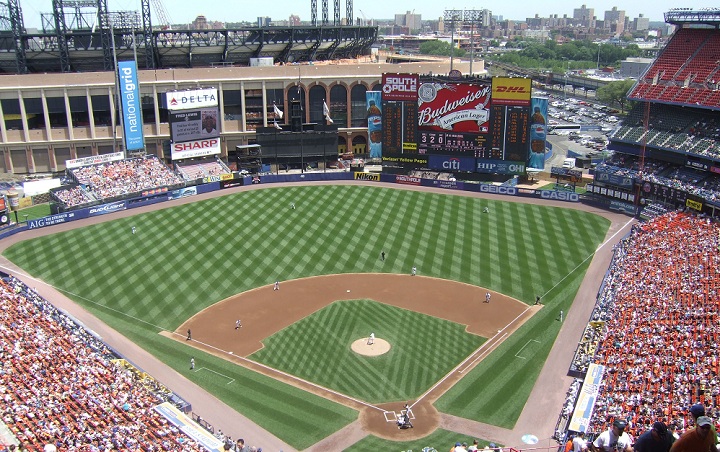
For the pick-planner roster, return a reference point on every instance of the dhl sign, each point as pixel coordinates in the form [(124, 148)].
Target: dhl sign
[(511, 91)]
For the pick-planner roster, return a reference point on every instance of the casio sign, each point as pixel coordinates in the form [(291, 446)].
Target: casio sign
[(498, 189), (560, 195)]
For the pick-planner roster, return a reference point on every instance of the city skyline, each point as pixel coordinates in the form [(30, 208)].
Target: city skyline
[(185, 11)]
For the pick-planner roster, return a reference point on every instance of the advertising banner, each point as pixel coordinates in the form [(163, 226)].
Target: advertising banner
[(610, 178), (193, 98), (448, 163), (407, 180), (189, 427), (400, 87), (189, 125), (130, 101), (511, 91), (56, 219), (93, 160), (454, 107), (585, 403), (182, 193), (107, 208), (538, 129), (500, 167), (374, 119), (197, 148), (375, 177)]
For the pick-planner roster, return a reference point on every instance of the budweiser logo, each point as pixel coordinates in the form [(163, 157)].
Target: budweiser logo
[(477, 112)]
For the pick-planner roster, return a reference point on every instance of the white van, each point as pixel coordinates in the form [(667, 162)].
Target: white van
[(569, 163)]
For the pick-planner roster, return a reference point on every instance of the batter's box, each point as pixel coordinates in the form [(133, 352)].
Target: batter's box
[(390, 416)]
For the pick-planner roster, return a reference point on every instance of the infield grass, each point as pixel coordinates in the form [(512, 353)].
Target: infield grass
[(423, 350), (185, 258)]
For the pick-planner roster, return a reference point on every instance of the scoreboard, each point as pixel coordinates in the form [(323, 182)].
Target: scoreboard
[(400, 134), (509, 132), (467, 144)]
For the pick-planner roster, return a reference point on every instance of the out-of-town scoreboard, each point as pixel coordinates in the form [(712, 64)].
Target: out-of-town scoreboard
[(484, 124)]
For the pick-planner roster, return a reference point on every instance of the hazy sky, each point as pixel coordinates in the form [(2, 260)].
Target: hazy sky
[(184, 11)]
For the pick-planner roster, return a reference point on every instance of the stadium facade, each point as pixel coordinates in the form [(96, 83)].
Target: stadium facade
[(53, 117)]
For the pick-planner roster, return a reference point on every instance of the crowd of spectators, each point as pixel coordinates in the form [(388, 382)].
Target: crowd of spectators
[(62, 386), (194, 170), (122, 177), (702, 184), (661, 319), (74, 196)]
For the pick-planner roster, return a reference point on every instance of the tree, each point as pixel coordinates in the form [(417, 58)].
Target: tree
[(615, 93), (441, 48)]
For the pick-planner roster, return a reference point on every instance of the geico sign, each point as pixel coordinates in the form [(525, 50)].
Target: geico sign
[(512, 89), (499, 189), (560, 195), (404, 84), (193, 145)]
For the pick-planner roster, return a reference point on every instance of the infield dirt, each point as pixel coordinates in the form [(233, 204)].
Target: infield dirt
[(265, 311)]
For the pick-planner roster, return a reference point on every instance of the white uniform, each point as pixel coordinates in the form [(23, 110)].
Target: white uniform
[(608, 441), (371, 339)]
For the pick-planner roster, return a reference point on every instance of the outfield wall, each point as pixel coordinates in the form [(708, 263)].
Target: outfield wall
[(163, 195)]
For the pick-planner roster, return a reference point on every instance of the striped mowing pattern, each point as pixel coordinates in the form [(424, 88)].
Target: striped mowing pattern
[(188, 257), (317, 349)]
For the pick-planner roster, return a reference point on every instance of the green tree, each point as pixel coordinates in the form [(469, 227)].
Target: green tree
[(440, 48), (615, 93)]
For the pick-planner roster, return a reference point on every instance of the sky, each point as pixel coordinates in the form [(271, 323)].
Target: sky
[(184, 11)]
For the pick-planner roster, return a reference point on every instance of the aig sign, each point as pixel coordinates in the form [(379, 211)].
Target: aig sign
[(400, 87)]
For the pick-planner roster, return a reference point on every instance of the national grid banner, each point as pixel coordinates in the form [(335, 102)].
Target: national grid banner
[(131, 110)]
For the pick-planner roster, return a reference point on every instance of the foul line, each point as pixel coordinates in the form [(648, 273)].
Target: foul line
[(293, 377), (521, 348), (217, 373), (456, 368), (588, 257)]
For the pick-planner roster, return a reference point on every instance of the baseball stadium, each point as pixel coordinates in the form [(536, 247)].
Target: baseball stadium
[(251, 289)]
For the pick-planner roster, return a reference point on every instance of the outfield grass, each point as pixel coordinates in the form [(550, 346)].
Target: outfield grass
[(439, 441), (186, 258), (317, 349)]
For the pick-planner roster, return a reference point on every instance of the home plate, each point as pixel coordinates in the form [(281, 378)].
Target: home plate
[(348, 290)]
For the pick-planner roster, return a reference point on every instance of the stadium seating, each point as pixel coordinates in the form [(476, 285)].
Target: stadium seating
[(61, 385), (661, 329)]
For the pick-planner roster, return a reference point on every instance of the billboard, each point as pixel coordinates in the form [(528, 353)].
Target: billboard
[(451, 163), (93, 160), (500, 167), (511, 91), (130, 102), (197, 148), (400, 87), (189, 125), (193, 98), (538, 129), (374, 118), (585, 404), (454, 107)]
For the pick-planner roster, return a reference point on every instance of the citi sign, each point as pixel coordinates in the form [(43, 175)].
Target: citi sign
[(453, 164)]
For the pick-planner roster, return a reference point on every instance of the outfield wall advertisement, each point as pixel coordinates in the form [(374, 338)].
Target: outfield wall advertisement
[(130, 102)]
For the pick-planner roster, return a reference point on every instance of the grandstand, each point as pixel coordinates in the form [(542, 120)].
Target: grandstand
[(63, 386), (658, 340)]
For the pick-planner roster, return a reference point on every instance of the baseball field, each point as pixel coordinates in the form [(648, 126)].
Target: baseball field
[(290, 368)]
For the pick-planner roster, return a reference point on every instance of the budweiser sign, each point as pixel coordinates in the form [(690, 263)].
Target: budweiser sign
[(458, 107)]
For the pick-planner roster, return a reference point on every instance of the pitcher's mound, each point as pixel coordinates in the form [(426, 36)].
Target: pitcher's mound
[(379, 347)]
